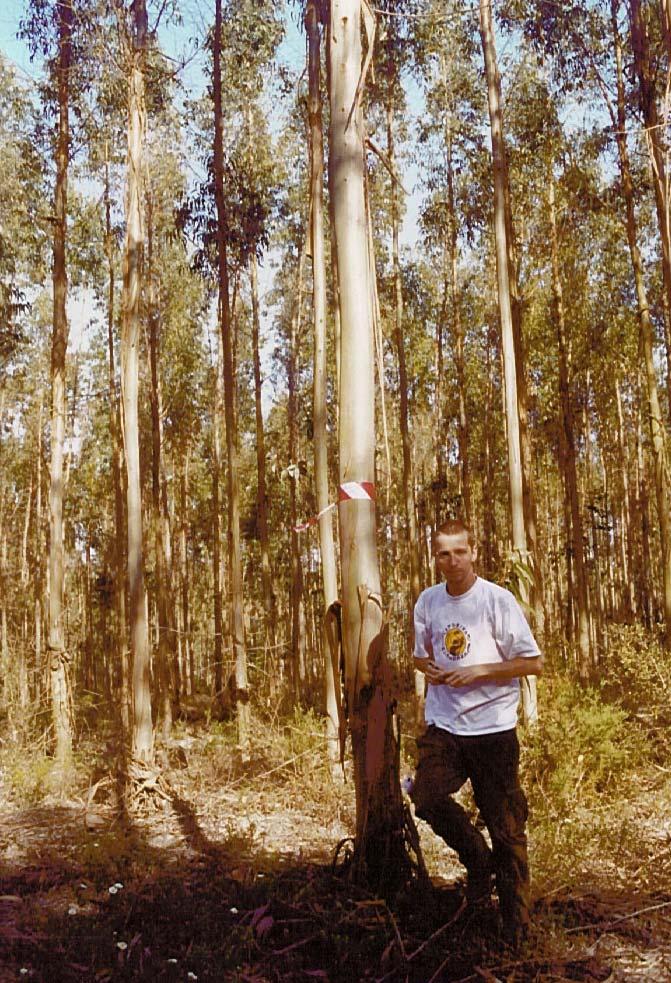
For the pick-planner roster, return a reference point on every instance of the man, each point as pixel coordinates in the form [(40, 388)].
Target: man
[(473, 644)]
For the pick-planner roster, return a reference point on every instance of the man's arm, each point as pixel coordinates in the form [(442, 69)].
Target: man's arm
[(486, 672)]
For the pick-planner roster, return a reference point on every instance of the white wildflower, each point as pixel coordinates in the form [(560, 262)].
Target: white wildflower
[(113, 889), (122, 945)]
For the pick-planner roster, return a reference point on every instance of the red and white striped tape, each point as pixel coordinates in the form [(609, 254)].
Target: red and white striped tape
[(315, 518), (356, 489), (350, 490)]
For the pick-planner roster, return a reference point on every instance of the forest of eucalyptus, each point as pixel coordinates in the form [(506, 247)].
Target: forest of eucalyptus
[(216, 314)]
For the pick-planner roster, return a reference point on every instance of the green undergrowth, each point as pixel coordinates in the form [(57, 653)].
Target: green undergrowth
[(595, 769), (214, 901)]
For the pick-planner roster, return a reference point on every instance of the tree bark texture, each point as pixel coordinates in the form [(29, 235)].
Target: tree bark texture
[(568, 452), (296, 579), (237, 625), (655, 130), (120, 648), (59, 659), (319, 406), (142, 742), (261, 493), (159, 514), (655, 420), (379, 847), (501, 235)]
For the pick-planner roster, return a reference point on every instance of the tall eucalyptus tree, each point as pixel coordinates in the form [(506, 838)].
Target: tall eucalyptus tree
[(379, 848)]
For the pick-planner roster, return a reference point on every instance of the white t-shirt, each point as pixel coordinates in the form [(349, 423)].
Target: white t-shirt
[(486, 624)]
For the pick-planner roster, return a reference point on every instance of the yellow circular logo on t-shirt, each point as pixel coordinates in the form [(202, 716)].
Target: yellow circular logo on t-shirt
[(456, 642)]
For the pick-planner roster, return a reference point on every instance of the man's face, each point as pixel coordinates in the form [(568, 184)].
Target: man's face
[(455, 559)]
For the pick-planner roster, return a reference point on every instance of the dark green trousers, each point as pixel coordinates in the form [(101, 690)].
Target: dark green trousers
[(491, 762)]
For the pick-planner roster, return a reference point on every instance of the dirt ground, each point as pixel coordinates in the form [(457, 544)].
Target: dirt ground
[(237, 883)]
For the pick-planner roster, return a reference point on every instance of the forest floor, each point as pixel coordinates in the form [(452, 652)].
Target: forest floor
[(231, 878)]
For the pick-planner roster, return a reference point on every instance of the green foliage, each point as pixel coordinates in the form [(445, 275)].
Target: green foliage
[(27, 776), (518, 576), (582, 746), (637, 673)]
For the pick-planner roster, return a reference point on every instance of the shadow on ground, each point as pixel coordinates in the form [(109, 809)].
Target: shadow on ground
[(116, 904)]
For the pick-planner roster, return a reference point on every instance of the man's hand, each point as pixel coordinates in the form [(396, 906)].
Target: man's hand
[(489, 672), (457, 676)]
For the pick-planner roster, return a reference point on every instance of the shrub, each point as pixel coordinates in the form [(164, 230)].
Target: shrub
[(581, 747)]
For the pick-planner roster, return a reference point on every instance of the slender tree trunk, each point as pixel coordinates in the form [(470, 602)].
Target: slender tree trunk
[(217, 421), (644, 578), (237, 624), (160, 532), (567, 440), (296, 584), (380, 853), (184, 663), (142, 743), (261, 494), (655, 421), (319, 410), (120, 648), (463, 438), (58, 656), (39, 578), (491, 556), (404, 412), (625, 471), (505, 312), (530, 512), (655, 131)]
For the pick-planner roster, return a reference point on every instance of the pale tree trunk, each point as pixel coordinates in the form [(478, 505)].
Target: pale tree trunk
[(568, 454), (491, 554), (120, 648), (644, 570), (142, 740), (505, 313), (319, 381), (655, 130), (452, 292), (530, 513), (296, 576), (217, 422), (379, 850), (413, 546), (261, 494), (404, 414), (184, 663), (237, 624), (626, 470), (655, 421), (59, 659), (39, 577), (458, 331), (159, 518)]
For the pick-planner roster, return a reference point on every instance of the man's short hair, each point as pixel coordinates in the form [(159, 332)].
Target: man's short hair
[(453, 527)]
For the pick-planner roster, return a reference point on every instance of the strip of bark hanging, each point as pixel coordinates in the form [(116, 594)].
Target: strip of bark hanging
[(334, 635), (369, 25), (387, 163)]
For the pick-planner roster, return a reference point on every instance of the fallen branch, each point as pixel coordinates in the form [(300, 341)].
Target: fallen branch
[(623, 918)]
